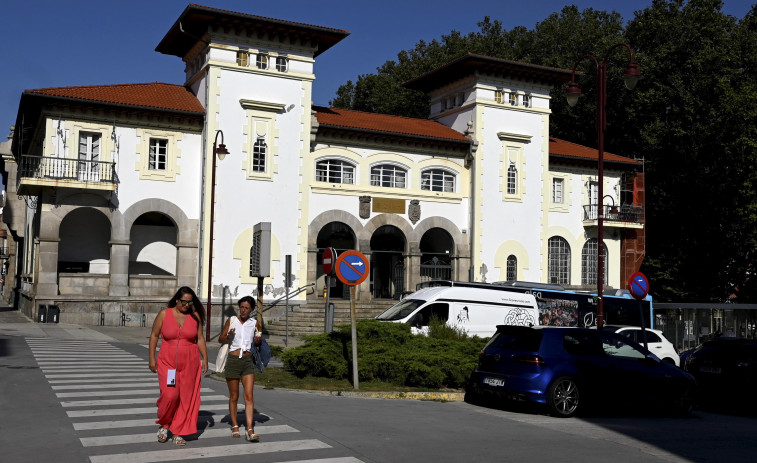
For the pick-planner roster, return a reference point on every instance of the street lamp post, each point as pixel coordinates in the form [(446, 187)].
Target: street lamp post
[(630, 76), (221, 151)]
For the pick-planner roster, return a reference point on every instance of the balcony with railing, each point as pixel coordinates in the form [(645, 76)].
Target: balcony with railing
[(623, 216), (37, 172)]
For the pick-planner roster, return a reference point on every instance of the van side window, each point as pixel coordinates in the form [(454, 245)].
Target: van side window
[(423, 317)]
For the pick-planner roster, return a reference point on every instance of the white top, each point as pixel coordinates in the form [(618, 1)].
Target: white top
[(243, 334)]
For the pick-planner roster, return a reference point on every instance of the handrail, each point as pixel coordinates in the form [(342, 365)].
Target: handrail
[(291, 294), (622, 213)]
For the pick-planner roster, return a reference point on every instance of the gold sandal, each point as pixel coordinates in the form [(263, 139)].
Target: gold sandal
[(235, 431)]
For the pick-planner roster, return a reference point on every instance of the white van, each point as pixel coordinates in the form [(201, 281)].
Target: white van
[(477, 309)]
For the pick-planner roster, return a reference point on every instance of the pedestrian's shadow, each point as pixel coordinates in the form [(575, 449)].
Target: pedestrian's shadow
[(205, 420)]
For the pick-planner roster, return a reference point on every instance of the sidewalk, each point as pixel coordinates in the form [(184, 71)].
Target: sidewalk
[(14, 323)]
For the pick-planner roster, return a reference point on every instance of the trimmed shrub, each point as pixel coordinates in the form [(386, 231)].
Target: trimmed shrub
[(389, 352)]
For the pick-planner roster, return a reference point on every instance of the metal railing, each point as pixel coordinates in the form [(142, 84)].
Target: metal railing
[(623, 213), (46, 167)]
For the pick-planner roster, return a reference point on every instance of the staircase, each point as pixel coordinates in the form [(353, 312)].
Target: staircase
[(309, 318)]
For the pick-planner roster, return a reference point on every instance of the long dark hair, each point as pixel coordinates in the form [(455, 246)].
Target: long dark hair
[(195, 308)]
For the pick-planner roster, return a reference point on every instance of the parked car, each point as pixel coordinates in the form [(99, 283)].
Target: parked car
[(568, 369), (656, 341), (726, 370)]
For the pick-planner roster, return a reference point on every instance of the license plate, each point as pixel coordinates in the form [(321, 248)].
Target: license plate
[(714, 370), (494, 381)]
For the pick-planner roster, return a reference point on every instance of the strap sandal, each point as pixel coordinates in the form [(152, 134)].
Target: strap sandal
[(251, 436), (162, 434), (178, 440), (235, 431)]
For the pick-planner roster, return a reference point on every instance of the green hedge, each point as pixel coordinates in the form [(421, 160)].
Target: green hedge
[(389, 352)]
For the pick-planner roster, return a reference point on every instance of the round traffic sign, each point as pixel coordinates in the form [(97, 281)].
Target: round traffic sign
[(329, 256), (638, 285), (352, 268)]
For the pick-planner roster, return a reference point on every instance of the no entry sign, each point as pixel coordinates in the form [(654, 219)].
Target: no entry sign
[(638, 285), (329, 256), (352, 268)]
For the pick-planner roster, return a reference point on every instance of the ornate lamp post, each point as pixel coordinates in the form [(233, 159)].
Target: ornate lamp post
[(631, 77), (221, 151)]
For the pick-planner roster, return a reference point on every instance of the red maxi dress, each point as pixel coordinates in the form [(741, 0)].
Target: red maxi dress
[(179, 406)]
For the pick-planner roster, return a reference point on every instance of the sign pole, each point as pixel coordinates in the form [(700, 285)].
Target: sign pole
[(352, 268), (326, 325), (353, 316), (638, 286)]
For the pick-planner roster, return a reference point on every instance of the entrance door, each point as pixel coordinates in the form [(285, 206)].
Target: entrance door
[(339, 236), (387, 263), (89, 155)]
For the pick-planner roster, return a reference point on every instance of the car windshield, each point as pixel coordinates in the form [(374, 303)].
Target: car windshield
[(401, 309)]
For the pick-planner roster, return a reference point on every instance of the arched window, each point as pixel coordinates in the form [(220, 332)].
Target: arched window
[(335, 171), (388, 175), (589, 262), (512, 268), (438, 180), (512, 179), (259, 150), (558, 257)]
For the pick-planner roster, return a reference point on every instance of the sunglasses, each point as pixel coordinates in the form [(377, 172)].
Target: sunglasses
[(185, 303)]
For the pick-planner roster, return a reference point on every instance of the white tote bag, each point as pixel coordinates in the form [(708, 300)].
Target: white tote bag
[(223, 352)]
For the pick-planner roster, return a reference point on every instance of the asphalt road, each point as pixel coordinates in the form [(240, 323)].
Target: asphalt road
[(77, 400)]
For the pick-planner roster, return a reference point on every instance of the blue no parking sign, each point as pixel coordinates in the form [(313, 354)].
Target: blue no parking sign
[(638, 285), (352, 268)]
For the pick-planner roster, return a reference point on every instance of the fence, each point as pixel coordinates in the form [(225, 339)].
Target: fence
[(686, 328)]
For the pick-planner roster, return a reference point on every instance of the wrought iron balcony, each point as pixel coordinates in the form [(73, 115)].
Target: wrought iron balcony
[(623, 214), (35, 172)]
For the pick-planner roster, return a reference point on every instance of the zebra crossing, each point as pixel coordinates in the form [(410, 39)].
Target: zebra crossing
[(109, 395)]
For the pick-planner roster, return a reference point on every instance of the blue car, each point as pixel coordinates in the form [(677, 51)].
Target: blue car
[(568, 369)]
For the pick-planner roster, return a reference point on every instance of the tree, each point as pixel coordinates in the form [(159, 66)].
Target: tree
[(692, 117)]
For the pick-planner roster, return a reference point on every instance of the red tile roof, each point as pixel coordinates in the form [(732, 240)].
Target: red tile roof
[(349, 119), (149, 95), (567, 149)]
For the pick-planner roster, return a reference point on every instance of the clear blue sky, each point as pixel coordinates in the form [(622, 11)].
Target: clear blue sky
[(54, 43)]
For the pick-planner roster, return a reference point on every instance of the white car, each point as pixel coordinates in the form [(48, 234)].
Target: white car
[(656, 342)]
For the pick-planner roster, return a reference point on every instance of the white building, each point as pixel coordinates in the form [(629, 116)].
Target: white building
[(116, 191)]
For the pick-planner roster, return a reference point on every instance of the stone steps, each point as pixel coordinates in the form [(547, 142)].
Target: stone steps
[(309, 318)]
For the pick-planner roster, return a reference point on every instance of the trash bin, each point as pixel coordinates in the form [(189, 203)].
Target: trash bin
[(53, 313), (42, 313)]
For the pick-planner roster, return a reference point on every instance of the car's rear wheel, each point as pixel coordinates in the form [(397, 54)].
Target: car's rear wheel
[(563, 397)]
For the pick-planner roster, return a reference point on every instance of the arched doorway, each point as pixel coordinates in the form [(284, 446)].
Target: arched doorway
[(339, 236), (153, 245), (387, 263), (436, 248), (84, 242)]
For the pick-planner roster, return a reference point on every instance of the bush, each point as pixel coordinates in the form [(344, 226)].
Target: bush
[(389, 352)]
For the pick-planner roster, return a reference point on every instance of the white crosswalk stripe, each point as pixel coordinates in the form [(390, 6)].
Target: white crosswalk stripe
[(113, 383)]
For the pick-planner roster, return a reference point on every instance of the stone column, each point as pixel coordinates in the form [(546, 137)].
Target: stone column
[(413, 267), (186, 264), (119, 268), (47, 277)]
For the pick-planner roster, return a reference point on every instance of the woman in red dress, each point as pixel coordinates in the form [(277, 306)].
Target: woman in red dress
[(178, 364)]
